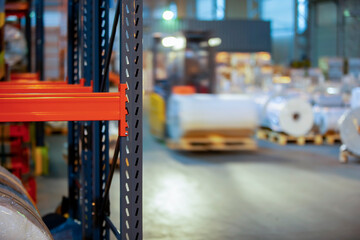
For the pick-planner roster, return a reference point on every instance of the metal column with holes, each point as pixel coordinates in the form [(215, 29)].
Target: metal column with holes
[(131, 146), (89, 194), (73, 127), (100, 129), (39, 64), (87, 142)]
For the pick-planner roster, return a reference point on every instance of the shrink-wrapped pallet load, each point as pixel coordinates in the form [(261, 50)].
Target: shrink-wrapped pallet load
[(326, 119), (355, 98), (328, 100), (220, 114), (19, 218)]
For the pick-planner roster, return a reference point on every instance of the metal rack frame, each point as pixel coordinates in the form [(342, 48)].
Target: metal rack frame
[(88, 114), (94, 135)]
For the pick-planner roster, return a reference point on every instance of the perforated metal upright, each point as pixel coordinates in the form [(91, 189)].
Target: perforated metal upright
[(89, 199), (131, 146), (73, 127), (88, 146), (100, 129), (40, 37), (39, 63)]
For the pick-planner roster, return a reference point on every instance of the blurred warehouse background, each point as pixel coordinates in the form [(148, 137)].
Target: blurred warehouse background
[(251, 116)]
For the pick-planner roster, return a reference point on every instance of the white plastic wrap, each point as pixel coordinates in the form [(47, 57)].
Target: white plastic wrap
[(15, 45), (14, 225), (293, 116), (328, 100), (261, 101), (19, 218), (207, 112), (355, 98), (327, 119), (350, 130)]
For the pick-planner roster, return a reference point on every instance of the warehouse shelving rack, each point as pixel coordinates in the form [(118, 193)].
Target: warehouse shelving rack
[(90, 174)]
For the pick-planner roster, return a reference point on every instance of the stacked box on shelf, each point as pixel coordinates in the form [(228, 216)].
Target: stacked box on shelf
[(354, 67), (332, 67)]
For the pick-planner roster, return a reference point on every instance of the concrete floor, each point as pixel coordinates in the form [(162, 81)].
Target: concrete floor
[(276, 193)]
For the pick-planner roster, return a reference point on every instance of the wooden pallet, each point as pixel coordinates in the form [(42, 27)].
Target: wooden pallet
[(332, 138), (345, 154), (284, 139), (55, 131), (213, 143)]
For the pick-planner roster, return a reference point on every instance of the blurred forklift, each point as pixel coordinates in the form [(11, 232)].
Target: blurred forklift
[(185, 110)]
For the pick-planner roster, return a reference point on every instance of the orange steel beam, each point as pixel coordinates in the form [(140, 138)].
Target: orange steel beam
[(65, 107), (44, 88), (24, 76), (29, 82)]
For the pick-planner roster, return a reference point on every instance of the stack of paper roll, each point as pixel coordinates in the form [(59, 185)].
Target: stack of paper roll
[(327, 118), (210, 113), (19, 218), (355, 98), (293, 116), (350, 130), (328, 100)]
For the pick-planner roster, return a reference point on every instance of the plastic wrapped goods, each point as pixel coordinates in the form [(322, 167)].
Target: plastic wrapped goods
[(355, 98), (210, 113), (19, 218), (327, 119), (293, 116), (328, 100), (350, 130)]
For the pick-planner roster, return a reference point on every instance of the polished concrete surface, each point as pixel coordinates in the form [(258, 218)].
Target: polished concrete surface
[(277, 192)]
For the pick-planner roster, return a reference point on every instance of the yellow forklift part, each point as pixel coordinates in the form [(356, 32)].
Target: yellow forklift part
[(157, 115)]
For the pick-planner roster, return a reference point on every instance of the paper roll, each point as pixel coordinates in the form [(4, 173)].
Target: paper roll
[(292, 116), (327, 119), (207, 112), (355, 98), (19, 219), (263, 99), (350, 130)]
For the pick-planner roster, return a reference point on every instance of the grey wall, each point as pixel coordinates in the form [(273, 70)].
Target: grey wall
[(236, 35)]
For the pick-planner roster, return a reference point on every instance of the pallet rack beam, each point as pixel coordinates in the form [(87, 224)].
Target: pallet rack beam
[(32, 82), (44, 88), (62, 107)]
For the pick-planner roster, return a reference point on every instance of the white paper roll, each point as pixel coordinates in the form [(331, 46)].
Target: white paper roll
[(19, 219), (207, 112), (327, 119), (355, 98), (290, 115), (350, 130)]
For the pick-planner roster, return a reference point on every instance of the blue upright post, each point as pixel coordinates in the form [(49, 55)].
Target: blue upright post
[(39, 34), (87, 150), (73, 127), (100, 128)]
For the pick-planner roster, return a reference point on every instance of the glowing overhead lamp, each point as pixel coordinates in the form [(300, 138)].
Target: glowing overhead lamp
[(214, 42), (168, 15), (169, 42)]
